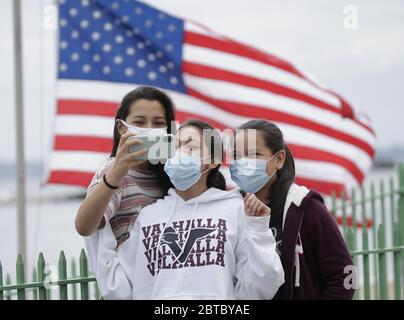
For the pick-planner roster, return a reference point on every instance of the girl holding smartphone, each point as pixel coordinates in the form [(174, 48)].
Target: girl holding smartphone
[(124, 185)]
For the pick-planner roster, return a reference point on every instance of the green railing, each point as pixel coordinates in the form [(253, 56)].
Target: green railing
[(371, 220), (43, 284)]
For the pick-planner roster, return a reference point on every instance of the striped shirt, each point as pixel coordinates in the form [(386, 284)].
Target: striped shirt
[(138, 188)]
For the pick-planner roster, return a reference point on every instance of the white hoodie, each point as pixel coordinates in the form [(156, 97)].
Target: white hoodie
[(207, 249)]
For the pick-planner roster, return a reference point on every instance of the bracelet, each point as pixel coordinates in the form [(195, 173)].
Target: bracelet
[(107, 184)]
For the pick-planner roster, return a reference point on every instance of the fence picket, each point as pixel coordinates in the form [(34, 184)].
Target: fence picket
[(62, 276), (83, 274)]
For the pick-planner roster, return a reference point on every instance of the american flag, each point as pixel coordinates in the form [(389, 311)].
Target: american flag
[(107, 48)]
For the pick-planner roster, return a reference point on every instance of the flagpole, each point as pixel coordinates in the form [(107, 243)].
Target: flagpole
[(21, 228)]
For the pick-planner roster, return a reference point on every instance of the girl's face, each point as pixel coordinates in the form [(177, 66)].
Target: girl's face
[(144, 114), (190, 141), (251, 144)]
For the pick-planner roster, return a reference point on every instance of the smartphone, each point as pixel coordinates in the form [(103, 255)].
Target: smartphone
[(159, 147)]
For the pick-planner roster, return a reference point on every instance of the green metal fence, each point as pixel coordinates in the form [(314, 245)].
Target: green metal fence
[(43, 284), (372, 222), (371, 219)]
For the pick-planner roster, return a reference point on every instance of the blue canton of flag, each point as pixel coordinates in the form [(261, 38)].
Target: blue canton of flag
[(120, 41)]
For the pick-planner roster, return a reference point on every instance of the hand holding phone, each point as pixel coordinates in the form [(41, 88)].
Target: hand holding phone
[(158, 147), (123, 160)]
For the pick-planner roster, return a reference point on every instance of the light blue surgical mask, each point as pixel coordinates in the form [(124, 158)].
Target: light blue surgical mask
[(184, 170), (250, 174)]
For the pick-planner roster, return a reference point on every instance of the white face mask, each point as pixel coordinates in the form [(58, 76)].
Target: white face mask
[(145, 131)]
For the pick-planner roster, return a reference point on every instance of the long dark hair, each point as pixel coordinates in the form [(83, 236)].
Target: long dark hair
[(215, 177), (148, 93), (284, 177)]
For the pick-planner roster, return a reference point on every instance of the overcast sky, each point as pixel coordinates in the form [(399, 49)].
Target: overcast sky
[(366, 66)]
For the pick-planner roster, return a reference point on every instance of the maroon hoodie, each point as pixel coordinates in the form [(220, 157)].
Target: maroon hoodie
[(313, 252)]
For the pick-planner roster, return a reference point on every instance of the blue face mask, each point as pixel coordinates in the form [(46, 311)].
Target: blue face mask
[(184, 170), (250, 174)]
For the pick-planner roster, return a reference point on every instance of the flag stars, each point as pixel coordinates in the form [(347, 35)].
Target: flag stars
[(118, 59), (63, 45), (73, 12), (119, 39), (141, 63), (171, 28), (63, 23), (106, 47), (129, 72), (106, 70), (84, 24), (108, 26), (75, 34), (111, 50), (86, 46), (97, 14), (169, 47), (95, 36), (152, 75), (63, 67), (148, 23), (130, 51), (173, 80), (75, 56), (86, 68)]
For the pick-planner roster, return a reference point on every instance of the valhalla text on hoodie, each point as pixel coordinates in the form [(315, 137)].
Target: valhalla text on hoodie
[(203, 248)]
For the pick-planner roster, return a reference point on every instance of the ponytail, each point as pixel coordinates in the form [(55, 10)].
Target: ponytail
[(284, 179), (216, 179)]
